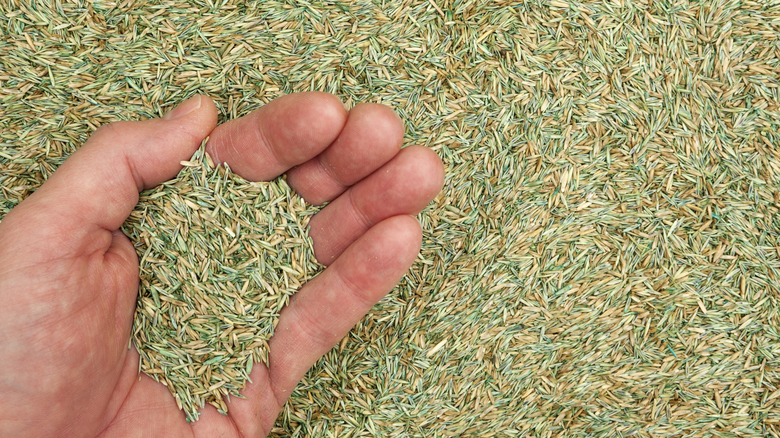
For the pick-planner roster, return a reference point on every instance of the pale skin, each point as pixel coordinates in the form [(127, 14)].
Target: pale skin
[(69, 279)]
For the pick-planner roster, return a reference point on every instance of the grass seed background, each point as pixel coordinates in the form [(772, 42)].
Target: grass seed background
[(604, 259)]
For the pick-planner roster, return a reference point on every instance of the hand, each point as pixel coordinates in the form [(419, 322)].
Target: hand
[(69, 278)]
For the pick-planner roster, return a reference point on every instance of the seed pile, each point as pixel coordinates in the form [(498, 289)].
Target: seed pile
[(603, 260), (219, 258)]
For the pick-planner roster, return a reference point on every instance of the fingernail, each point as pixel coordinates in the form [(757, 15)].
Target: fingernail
[(184, 108)]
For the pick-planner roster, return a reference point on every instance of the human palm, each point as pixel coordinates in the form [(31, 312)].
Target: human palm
[(69, 278)]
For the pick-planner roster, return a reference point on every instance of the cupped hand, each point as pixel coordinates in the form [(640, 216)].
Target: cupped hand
[(69, 278)]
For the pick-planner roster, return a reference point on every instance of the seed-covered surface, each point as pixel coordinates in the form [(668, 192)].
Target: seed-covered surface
[(219, 258), (604, 259)]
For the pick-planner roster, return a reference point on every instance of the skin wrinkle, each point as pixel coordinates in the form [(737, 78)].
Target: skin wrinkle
[(69, 343), (317, 180), (262, 140), (313, 182), (117, 385), (323, 164), (139, 181), (233, 143), (126, 274), (119, 410), (213, 153), (127, 255), (310, 327), (13, 269), (54, 289), (357, 211)]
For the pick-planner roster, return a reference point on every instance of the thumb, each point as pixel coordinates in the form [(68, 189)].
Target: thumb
[(97, 187)]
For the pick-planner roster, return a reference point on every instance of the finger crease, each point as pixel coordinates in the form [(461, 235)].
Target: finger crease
[(311, 326), (355, 291), (361, 217), (263, 140), (328, 171)]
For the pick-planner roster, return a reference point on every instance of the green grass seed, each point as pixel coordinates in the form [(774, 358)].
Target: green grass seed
[(604, 259)]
